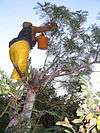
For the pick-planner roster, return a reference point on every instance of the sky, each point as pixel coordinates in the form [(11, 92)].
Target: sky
[(14, 12)]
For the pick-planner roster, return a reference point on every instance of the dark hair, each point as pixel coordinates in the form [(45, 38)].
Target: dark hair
[(27, 24)]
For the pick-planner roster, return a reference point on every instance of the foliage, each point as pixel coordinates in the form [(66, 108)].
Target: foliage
[(72, 51), (72, 45), (89, 111), (10, 95)]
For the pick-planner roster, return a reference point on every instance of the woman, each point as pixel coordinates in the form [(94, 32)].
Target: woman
[(20, 47)]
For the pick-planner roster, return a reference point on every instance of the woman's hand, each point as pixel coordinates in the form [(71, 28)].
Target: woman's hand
[(52, 25)]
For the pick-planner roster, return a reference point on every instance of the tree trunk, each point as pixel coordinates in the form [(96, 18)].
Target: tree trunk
[(21, 122)]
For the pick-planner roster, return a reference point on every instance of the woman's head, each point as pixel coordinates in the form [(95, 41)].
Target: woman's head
[(27, 24)]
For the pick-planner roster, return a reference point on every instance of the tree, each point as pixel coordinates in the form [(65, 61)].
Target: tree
[(72, 51)]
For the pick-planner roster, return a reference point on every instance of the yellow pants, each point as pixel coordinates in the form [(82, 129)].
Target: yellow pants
[(19, 54)]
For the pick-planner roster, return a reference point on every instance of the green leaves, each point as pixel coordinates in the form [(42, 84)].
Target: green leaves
[(98, 122), (96, 34)]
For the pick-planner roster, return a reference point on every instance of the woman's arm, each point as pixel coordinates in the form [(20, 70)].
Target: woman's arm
[(48, 27)]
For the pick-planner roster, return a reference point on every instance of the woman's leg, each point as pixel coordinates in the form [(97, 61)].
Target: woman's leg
[(19, 54)]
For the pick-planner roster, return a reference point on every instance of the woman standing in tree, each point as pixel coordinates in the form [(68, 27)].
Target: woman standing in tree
[(20, 47)]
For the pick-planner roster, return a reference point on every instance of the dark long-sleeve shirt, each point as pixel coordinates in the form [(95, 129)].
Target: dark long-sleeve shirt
[(24, 34)]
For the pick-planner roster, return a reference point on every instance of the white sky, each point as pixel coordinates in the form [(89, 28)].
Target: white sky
[(14, 12)]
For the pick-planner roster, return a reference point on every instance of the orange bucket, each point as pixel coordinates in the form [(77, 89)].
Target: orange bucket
[(42, 41)]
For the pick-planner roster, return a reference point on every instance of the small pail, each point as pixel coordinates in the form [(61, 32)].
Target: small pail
[(42, 41)]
